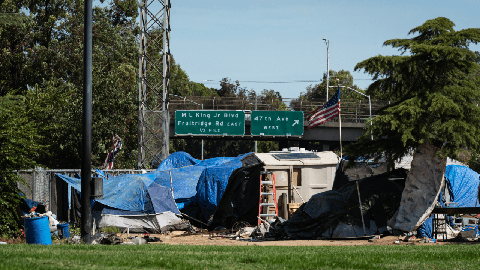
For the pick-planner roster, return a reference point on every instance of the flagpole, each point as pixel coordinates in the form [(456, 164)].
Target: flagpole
[(340, 121)]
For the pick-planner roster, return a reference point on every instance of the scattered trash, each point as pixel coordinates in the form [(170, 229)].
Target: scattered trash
[(245, 232), (152, 239), (374, 238), (428, 240), (109, 239), (139, 241)]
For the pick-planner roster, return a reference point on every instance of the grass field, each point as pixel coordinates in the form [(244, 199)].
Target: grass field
[(238, 257)]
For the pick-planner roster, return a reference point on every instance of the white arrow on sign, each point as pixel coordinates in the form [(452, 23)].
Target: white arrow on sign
[(295, 122)]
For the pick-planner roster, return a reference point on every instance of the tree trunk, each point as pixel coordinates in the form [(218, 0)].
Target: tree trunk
[(422, 187)]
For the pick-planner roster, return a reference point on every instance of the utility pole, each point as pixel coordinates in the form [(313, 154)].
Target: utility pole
[(86, 218), (328, 63), (153, 145)]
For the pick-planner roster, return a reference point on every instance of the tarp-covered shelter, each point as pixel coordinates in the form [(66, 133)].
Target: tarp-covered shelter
[(461, 187), (134, 201), (336, 213), (146, 201), (239, 202)]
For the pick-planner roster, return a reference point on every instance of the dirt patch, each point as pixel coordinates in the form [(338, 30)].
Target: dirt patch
[(179, 238)]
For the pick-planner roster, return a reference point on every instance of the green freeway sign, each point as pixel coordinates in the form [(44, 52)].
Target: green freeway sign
[(209, 122), (277, 123)]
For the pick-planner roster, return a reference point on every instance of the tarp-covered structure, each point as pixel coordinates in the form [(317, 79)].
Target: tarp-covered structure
[(336, 213), (146, 201), (239, 203), (134, 201), (461, 187)]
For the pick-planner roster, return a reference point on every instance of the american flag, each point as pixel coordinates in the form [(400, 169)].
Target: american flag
[(330, 110), (117, 145)]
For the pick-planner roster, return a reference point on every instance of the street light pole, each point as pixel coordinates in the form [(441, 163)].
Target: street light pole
[(86, 207), (250, 120), (328, 62), (369, 106)]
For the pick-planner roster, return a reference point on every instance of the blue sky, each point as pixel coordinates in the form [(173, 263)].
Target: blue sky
[(281, 41)]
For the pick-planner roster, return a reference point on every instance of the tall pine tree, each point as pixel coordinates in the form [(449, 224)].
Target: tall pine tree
[(434, 86)]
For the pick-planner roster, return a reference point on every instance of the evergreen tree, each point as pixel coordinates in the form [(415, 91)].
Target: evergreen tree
[(434, 88)]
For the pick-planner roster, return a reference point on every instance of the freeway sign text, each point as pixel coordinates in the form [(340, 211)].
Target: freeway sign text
[(277, 123), (209, 122)]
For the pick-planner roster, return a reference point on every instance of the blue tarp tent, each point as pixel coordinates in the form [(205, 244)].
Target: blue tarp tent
[(177, 160), (462, 184), (200, 183)]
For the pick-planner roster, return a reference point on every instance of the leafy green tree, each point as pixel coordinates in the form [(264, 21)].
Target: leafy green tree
[(229, 88), (273, 99), (434, 84), (181, 85), (18, 148), (474, 162), (317, 93), (58, 98)]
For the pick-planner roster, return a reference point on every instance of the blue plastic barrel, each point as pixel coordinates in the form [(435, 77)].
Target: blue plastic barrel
[(37, 231), (63, 231)]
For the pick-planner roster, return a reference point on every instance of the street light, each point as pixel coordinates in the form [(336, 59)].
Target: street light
[(328, 62), (370, 107)]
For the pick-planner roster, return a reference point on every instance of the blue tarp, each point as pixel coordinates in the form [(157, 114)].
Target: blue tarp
[(177, 160), (212, 184), (202, 183), (462, 183), (125, 192)]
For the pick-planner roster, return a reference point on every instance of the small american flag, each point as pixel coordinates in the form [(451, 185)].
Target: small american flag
[(330, 110), (117, 145)]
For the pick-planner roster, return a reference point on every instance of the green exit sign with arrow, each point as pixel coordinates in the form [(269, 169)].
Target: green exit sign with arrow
[(277, 123)]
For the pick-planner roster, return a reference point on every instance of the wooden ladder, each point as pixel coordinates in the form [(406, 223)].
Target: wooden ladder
[(268, 197)]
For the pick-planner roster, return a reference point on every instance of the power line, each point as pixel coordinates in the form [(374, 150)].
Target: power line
[(295, 81)]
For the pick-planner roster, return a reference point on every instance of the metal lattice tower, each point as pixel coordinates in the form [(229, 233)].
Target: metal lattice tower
[(154, 69)]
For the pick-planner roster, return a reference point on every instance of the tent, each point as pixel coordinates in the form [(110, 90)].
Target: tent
[(133, 201), (239, 203), (153, 200), (336, 213), (461, 187), (198, 188)]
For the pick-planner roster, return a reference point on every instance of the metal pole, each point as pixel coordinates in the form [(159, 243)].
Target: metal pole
[(328, 64), (164, 55), (369, 107), (141, 85), (86, 221), (340, 121), (202, 139), (166, 135), (251, 122), (361, 211)]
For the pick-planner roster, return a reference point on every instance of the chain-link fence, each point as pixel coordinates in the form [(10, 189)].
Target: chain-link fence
[(46, 188)]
